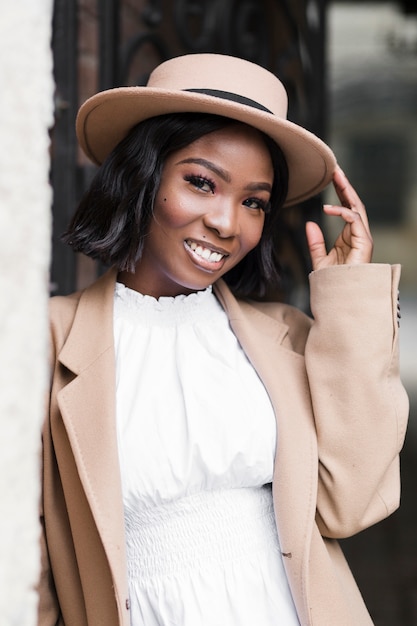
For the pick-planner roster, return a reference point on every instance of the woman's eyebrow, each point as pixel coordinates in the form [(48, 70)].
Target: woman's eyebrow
[(210, 166), (224, 174), (259, 187)]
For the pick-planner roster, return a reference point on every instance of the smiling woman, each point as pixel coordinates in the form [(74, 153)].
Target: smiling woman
[(206, 216), (204, 449), (123, 192)]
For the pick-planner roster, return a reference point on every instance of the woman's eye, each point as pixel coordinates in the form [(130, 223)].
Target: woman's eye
[(257, 203), (201, 183)]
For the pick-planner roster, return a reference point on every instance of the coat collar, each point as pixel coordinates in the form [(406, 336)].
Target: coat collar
[(93, 323), (92, 331)]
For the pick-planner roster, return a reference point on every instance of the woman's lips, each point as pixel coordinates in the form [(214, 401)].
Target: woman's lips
[(207, 257)]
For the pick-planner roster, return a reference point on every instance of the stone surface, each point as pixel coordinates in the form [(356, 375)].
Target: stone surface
[(26, 104)]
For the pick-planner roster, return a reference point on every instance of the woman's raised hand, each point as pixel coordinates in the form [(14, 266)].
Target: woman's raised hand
[(354, 245)]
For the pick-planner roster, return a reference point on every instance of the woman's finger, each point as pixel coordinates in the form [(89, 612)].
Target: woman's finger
[(354, 244), (348, 196), (316, 244)]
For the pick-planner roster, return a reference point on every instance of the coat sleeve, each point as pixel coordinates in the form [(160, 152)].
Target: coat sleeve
[(360, 406)]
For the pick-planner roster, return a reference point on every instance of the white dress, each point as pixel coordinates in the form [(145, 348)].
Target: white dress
[(197, 438)]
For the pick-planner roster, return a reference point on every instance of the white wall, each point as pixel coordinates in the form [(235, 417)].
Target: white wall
[(26, 110)]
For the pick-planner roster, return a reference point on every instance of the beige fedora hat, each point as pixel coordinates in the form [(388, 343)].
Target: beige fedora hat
[(210, 83)]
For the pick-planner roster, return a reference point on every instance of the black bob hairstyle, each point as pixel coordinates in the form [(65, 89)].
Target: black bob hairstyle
[(112, 219)]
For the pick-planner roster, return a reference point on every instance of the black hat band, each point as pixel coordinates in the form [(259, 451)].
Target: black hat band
[(227, 95)]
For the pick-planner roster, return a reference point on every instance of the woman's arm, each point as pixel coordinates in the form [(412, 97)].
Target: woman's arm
[(352, 361), (359, 403)]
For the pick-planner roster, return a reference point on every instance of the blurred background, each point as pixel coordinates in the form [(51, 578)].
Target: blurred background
[(350, 69), (371, 59)]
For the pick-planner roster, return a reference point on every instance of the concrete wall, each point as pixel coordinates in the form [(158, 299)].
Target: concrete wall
[(26, 111)]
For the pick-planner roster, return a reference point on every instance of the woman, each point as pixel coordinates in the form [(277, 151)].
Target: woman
[(205, 449)]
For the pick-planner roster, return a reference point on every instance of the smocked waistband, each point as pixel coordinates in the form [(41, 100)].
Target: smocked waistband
[(199, 530)]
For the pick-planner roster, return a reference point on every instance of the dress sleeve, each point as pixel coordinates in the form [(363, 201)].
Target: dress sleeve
[(359, 403)]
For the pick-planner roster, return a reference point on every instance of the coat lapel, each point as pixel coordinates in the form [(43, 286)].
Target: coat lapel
[(87, 406), (282, 371)]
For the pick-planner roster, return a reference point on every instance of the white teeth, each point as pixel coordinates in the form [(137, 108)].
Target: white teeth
[(205, 253)]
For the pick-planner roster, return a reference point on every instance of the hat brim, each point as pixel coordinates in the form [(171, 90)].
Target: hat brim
[(106, 118)]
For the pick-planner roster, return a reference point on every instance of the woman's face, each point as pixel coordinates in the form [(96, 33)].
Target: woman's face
[(208, 212)]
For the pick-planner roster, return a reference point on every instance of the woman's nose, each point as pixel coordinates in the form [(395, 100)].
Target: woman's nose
[(223, 218)]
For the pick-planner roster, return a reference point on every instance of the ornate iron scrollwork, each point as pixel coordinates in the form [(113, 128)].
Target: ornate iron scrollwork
[(244, 30), (196, 22), (133, 49)]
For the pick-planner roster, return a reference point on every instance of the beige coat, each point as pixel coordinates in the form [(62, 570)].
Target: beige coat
[(341, 412)]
